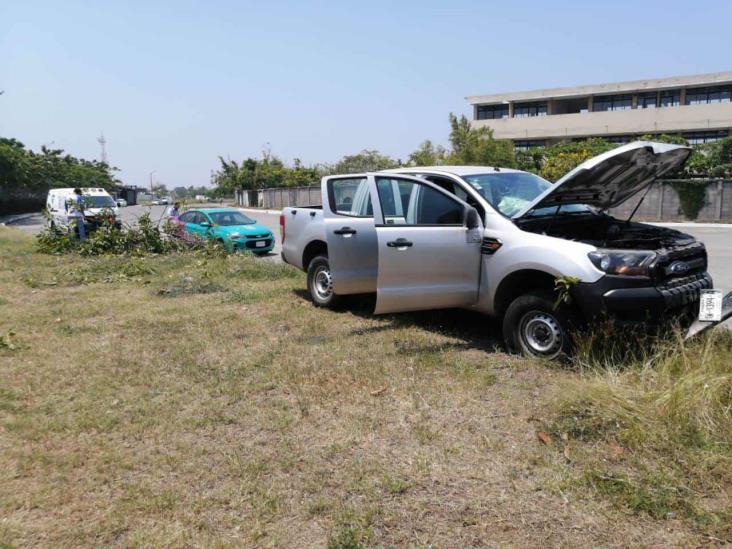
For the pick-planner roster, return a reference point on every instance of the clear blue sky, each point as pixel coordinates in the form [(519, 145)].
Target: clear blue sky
[(174, 84)]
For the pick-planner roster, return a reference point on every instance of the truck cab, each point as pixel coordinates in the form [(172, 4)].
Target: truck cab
[(497, 240)]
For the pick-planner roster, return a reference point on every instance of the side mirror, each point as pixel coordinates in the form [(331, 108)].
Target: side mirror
[(472, 218), (205, 224)]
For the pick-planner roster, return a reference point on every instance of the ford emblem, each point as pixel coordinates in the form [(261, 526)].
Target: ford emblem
[(678, 268)]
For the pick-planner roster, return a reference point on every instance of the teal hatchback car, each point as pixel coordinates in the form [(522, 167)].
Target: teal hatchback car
[(228, 226)]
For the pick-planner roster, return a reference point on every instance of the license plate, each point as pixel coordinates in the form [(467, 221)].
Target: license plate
[(710, 306), (262, 244)]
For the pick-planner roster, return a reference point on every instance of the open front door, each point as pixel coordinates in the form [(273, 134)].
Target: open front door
[(428, 246), (350, 234)]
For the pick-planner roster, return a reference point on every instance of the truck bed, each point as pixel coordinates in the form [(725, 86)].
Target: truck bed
[(302, 225)]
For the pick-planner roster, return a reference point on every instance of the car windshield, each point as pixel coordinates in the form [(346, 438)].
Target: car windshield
[(230, 218), (99, 201)]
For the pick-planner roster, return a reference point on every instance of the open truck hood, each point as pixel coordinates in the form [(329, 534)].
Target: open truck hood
[(611, 178)]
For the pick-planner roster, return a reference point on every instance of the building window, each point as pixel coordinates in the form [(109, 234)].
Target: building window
[(526, 144), (619, 139), (647, 100), (489, 112), (703, 96), (612, 103), (670, 98), (524, 110), (698, 138)]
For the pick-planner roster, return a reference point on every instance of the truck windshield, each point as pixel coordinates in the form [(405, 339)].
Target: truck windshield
[(508, 192), (511, 192), (98, 201)]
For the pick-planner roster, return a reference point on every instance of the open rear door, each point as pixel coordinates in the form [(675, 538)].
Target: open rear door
[(350, 234), (428, 246)]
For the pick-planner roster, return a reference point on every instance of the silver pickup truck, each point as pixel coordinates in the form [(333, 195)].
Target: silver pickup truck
[(496, 240)]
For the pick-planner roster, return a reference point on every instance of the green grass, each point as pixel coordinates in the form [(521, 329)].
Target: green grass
[(190, 399)]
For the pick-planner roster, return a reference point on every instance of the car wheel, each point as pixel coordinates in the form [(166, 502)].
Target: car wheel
[(320, 283), (533, 327)]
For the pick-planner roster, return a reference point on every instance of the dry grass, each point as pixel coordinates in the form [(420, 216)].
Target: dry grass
[(182, 400)]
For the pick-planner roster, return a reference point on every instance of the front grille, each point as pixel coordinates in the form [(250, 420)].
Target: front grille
[(683, 291), (680, 262), (257, 236)]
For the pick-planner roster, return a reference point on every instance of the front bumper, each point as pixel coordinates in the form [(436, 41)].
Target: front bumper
[(250, 245), (637, 300)]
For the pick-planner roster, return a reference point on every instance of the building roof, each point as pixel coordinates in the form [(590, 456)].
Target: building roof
[(599, 89)]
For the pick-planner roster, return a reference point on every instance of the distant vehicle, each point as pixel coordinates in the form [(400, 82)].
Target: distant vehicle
[(228, 227), (201, 198), (497, 241), (121, 202), (99, 207)]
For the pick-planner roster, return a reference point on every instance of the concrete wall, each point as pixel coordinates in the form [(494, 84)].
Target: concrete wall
[(660, 204), (635, 121)]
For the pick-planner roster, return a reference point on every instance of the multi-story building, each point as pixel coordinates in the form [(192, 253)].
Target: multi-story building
[(699, 108)]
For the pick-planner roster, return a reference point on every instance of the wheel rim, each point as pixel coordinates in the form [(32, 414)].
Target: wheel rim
[(323, 282), (541, 334)]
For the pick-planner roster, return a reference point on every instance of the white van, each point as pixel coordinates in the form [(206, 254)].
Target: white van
[(98, 204)]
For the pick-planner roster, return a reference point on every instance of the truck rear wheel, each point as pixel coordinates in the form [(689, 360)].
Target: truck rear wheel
[(320, 283), (533, 327)]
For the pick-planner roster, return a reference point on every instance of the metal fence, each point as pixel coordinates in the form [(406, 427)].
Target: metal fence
[(661, 203), (281, 197)]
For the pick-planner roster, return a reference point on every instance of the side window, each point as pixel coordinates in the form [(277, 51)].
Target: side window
[(405, 202), (350, 196), (454, 188), (188, 217)]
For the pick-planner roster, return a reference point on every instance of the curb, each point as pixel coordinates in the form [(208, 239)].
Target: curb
[(9, 220), (691, 224)]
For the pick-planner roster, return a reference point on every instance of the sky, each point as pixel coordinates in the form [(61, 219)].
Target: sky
[(176, 84)]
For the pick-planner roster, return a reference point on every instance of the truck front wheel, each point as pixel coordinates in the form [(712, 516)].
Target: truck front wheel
[(533, 327), (320, 283)]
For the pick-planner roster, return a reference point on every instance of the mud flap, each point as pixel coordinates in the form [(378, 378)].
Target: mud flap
[(698, 326)]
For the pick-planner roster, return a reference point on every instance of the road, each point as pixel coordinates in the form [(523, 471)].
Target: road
[(718, 239)]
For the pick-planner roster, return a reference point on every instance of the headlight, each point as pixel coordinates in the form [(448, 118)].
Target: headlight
[(622, 262), (234, 236)]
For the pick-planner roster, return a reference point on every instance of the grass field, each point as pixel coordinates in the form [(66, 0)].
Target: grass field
[(192, 400)]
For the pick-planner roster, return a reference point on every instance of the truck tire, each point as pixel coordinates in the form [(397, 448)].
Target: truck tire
[(320, 283), (534, 328)]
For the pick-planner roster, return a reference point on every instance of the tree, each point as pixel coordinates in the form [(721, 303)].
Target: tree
[(428, 155), (564, 157), (476, 146), (365, 161), (24, 170)]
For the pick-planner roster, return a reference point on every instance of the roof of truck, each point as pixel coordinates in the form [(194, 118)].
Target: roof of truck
[(453, 170), (84, 190)]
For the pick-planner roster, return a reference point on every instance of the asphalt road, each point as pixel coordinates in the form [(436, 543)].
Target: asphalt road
[(718, 239)]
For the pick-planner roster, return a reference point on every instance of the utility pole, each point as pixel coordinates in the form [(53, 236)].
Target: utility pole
[(103, 143), (151, 181)]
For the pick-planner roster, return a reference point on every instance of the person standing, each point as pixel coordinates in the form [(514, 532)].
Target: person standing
[(174, 211), (75, 210)]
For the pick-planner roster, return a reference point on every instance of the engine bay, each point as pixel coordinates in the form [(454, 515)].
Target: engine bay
[(605, 231)]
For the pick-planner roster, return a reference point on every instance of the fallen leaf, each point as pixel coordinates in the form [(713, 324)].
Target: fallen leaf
[(378, 392), (544, 438)]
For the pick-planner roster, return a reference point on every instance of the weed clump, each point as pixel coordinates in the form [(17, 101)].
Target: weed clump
[(670, 407), (110, 239)]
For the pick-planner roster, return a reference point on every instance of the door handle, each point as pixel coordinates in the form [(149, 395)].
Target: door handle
[(400, 243), (345, 230)]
